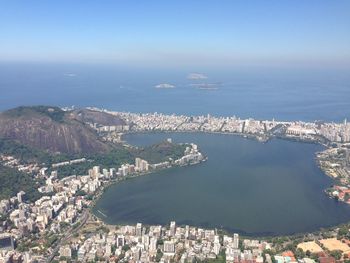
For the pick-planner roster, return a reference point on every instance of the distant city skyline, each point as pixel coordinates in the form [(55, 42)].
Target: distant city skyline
[(157, 33)]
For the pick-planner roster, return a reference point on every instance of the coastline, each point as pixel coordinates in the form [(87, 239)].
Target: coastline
[(113, 182), (251, 137), (256, 137)]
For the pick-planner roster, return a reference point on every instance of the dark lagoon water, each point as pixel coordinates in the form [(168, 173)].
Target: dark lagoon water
[(245, 186)]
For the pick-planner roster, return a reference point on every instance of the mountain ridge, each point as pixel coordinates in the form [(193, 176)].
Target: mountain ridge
[(52, 129)]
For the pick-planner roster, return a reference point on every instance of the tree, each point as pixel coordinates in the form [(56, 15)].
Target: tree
[(159, 255), (299, 253), (125, 248), (337, 254), (343, 231)]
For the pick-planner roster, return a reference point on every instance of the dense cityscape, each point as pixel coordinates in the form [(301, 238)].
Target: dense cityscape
[(60, 226), (175, 131)]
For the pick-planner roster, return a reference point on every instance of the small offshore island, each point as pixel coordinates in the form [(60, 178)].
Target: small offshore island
[(56, 222)]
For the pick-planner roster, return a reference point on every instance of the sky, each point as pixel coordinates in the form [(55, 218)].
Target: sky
[(177, 32)]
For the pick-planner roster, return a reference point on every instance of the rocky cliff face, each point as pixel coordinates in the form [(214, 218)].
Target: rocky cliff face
[(50, 128)]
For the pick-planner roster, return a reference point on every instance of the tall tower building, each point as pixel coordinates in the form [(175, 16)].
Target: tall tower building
[(138, 163), (96, 171), (172, 228), (120, 241), (235, 241), (20, 196), (139, 229), (153, 244)]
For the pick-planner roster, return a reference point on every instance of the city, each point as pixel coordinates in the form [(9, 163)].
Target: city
[(191, 131), (61, 226)]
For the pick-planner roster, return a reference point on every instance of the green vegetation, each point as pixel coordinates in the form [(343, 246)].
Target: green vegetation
[(114, 158), (299, 253), (64, 225), (344, 231), (50, 240), (26, 245), (103, 229), (337, 254), (55, 113), (159, 255), (29, 154), (154, 154), (13, 181), (221, 258), (125, 248), (161, 152)]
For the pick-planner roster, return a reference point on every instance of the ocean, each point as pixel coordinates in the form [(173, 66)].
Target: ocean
[(283, 94)]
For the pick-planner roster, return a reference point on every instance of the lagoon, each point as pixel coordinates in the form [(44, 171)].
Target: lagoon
[(249, 187)]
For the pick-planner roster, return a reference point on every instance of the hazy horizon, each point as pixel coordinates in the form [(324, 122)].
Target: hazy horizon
[(304, 34), (265, 59)]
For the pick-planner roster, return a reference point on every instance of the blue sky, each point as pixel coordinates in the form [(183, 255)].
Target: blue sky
[(176, 32)]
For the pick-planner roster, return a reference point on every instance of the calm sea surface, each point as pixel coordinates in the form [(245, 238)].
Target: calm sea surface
[(245, 186), (283, 94)]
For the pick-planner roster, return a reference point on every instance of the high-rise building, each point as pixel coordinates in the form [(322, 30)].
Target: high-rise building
[(112, 172), (172, 228), (120, 241), (235, 241), (141, 165), (169, 247), (138, 163), (187, 231), (145, 241), (216, 248), (95, 171), (20, 196), (136, 253), (153, 245), (139, 229)]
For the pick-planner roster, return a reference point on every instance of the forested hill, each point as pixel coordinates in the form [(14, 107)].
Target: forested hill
[(50, 128), (13, 181)]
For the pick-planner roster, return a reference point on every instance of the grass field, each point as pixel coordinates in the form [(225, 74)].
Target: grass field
[(334, 244), (311, 246)]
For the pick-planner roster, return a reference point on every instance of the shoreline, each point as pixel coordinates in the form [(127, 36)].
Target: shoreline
[(249, 137)]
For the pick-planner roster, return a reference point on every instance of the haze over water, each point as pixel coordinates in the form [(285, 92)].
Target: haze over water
[(283, 94), (245, 186)]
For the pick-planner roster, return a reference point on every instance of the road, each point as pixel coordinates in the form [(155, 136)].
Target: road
[(69, 233)]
